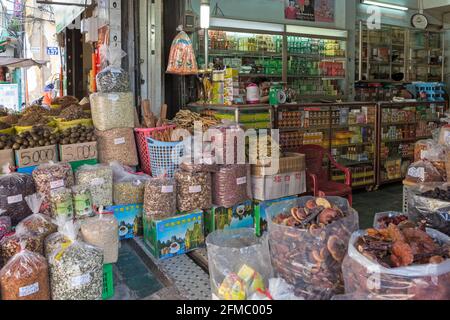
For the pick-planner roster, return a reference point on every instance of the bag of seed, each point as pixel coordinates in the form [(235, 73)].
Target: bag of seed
[(230, 185), (160, 198), (99, 180), (129, 187), (102, 231), (112, 78), (12, 243), (112, 110), (40, 224), (14, 187), (308, 240), (76, 269), (25, 277), (55, 240)]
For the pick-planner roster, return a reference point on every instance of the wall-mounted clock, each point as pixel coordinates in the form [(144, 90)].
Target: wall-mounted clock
[(419, 21)]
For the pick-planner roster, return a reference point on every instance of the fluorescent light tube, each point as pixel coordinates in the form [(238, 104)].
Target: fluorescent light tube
[(247, 25), (205, 14), (385, 5)]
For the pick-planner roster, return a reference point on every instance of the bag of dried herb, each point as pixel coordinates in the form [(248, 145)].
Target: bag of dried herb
[(112, 110), (37, 223), (62, 203), (112, 78), (14, 187), (25, 277), (99, 180), (160, 198), (102, 231), (76, 269), (129, 187), (82, 202), (11, 244)]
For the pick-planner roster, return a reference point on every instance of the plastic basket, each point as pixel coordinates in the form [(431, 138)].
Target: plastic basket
[(164, 156), (108, 282), (141, 140)]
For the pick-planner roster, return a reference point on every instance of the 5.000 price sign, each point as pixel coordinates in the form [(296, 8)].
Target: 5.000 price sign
[(79, 152), (36, 156)]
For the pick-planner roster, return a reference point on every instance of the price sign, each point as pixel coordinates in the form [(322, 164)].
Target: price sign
[(36, 156), (79, 152), (52, 51)]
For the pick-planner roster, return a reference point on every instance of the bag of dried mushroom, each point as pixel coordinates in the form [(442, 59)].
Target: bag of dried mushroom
[(102, 231), (14, 187), (117, 145), (112, 110), (308, 240), (25, 277), (193, 191), (129, 187), (398, 263), (99, 179), (160, 198), (51, 176), (76, 269)]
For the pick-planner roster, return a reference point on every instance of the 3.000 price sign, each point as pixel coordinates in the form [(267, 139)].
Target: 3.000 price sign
[(36, 156), (79, 152)]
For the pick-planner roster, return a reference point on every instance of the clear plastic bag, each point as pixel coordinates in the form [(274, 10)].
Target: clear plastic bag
[(193, 191), (76, 269), (61, 201), (230, 185), (5, 224), (112, 78), (117, 145), (238, 264), (366, 278), (112, 110), (311, 259), (423, 172), (58, 239), (226, 145), (99, 180), (129, 187), (12, 244), (182, 59), (279, 289), (383, 219), (160, 198), (14, 187), (49, 177), (82, 202), (25, 277), (102, 231), (431, 151)]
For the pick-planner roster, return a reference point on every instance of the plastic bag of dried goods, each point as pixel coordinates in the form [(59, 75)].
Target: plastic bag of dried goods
[(99, 180), (14, 187), (238, 264), (423, 172), (56, 239), (128, 186), (365, 277), (308, 253), (25, 277), (182, 59), (383, 219), (12, 243), (76, 269), (61, 202), (112, 78), (102, 231), (117, 145), (112, 110), (160, 198), (51, 176), (228, 143), (230, 185), (82, 202), (5, 224), (193, 191), (37, 223), (431, 151)]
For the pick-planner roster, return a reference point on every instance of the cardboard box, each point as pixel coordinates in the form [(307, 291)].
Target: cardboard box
[(130, 220), (6, 159), (78, 152), (239, 216), (260, 213), (174, 236), (278, 186), (36, 156), (291, 162)]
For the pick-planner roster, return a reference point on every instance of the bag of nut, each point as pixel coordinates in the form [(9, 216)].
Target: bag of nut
[(398, 264), (308, 240)]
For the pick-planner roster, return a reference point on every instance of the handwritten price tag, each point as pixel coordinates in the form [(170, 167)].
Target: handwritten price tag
[(36, 156), (79, 152)]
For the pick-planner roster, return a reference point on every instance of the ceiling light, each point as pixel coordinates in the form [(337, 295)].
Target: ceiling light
[(205, 13), (385, 5)]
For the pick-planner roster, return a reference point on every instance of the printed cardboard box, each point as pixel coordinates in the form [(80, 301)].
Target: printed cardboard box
[(174, 236), (130, 220), (239, 216), (260, 213), (278, 186)]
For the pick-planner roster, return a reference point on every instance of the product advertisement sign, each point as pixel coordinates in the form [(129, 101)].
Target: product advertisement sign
[(310, 10)]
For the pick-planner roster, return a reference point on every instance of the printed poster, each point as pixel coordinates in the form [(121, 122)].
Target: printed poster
[(310, 10)]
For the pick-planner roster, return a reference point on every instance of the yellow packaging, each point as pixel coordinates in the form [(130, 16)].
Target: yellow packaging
[(232, 288)]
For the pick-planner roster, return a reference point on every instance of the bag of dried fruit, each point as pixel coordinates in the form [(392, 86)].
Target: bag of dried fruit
[(40, 224), (182, 59), (128, 186), (112, 78), (308, 240), (25, 277), (12, 243), (238, 264), (384, 219), (398, 264), (76, 269), (102, 231)]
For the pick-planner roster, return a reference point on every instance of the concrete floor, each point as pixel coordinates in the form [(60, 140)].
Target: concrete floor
[(139, 277)]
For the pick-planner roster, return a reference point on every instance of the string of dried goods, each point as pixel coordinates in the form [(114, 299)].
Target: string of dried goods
[(186, 119)]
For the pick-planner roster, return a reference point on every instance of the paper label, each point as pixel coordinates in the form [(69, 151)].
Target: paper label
[(167, 189), (97, 181), (119, 141), (80, 280), (195, 189), (417, 173), (56, 184), (241, 181), (113, 97), (15, 199), (29, 290)]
